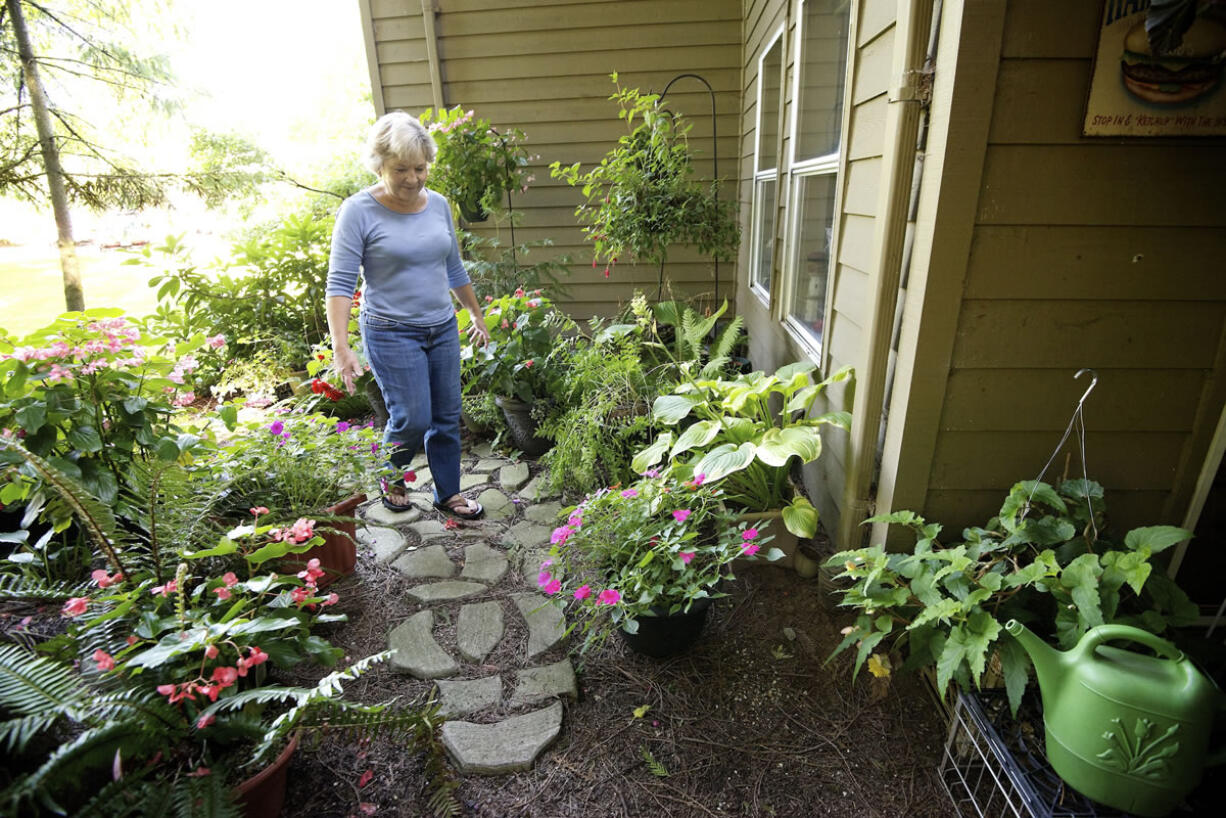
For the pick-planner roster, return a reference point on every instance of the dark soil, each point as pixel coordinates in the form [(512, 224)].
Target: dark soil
[(747, 723)]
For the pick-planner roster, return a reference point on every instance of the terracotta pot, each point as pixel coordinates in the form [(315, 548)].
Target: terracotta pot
[(784, 540), (263, 794), (338, 554), (662, 635)]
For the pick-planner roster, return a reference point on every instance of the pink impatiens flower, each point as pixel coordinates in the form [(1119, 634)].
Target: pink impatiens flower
[(552, 587), (583, 592), (749, 549), (105, 660), (749, 534), (686, 556), (560, 535), (628, 493), (75, 606), (609, 596), (543, 579), (682, 514)]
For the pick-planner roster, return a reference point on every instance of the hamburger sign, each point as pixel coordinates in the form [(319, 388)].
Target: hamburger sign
[(1158, 69)]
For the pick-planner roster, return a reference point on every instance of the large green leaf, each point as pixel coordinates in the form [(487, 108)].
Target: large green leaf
[(1155, 538), (724, 460), (650, 456), (778, 445), (697, 436), (800, 517), (1081, 577), (952, 654), (670, 409)]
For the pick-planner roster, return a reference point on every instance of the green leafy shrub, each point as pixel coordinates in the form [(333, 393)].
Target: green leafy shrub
[(476, 164), (525, 357), (1043, 561)]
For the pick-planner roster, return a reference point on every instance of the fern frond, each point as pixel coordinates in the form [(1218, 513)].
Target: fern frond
[(207, 796), (71, 761), (13, 586), (657, 769), (34, 686), (729, 338)]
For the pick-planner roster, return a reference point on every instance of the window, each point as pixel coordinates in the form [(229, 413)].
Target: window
[(766, 164), (820, 70)]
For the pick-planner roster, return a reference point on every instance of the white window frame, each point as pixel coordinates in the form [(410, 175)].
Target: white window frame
[(798, 171), (764, 175)]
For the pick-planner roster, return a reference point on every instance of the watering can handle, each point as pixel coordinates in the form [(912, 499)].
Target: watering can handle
[(1110, 633)]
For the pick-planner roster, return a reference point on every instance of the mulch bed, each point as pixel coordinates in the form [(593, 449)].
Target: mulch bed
[(748, 723)]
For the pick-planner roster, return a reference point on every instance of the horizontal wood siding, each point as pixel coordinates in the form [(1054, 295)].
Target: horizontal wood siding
[(400, 53), (1101, 253)]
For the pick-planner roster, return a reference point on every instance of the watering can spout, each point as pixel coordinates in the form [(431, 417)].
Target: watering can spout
[(1046, 659)]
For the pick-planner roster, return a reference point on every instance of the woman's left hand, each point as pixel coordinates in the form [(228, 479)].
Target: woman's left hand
[(478, 333)]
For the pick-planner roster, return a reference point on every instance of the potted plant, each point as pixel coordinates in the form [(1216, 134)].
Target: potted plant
[(641, 199), (295, 465), (1044, 560), (161, 679), (647, 560), (476, 164), (737, 439), (524, 362), (323, 381)]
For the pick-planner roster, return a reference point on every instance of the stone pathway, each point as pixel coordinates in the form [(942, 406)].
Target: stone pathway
[(473, 600)]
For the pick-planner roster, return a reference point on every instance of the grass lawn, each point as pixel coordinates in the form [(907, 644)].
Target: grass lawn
[(32, 287)]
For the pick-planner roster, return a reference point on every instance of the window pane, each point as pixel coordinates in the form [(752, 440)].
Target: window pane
[(764, 232), (823, 55), (768, 106), (813, 229)]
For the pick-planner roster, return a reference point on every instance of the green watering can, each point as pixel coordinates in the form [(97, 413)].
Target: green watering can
[(1127, 729)]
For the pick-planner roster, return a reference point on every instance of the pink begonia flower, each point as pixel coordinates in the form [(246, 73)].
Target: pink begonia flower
[(105, 660), (230, 579), (609, 596), (223, 593), (686, 556), (553, 586), (103, 578), (560, 535), (216, 342), (225, 676), (583, 592), (299, 595), (258, 510), (628, 493), (534, 303), (211, 652), (519, 292), (749, 549), (331, 600), (75, 606), (256, 656), (748, 534), (166, 690), (205, 721), (681, 514), (528, 363), (303, 530), (167, 589)]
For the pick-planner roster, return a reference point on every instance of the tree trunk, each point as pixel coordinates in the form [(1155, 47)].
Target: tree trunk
[(74, 294)]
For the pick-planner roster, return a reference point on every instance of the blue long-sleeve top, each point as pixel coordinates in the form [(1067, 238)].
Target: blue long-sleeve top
[(409, 260)]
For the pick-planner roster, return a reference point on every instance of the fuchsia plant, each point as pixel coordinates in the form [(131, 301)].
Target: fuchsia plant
[(650, 549)]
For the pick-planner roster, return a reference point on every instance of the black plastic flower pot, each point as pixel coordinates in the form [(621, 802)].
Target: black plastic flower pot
[(662, 635)]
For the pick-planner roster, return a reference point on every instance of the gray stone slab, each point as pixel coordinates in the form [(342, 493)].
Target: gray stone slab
[(478, 629), (544, 513), (426, 563), (381, 515), (385, 543), (483, 563), (546, 622), (416, 651), (457, 698), (504, 747), (488, 465), (538, 489), (482, 450), (443, 591), (535, 684), (497, 505), (514, 476), (467, 481), (527, 534), (530, 560)]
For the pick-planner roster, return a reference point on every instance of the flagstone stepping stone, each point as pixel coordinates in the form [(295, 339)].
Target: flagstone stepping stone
[(423, 475), (416, 652), (514, 476), (444, 591), (536, 684), (467, 481), (538, 489), (504, 747), (482, 449), (527, 533), (381, 515), (483, 563), (426, 563), (496, 504), (430, 530), (386, 543), (487, 465), (546, 622), (544, 513), (478, 629), (456, 698)]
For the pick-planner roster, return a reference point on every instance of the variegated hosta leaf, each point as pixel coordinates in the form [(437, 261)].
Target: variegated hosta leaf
[(724, 460), (647, 458), (695, 437), (800, 517), (777, 445), (739, 430), (787, 372), (670, 409)]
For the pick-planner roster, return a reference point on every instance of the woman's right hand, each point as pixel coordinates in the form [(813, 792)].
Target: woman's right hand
[(345, 360)]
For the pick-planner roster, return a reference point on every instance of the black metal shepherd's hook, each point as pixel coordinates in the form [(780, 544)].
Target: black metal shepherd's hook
[(714, 170)]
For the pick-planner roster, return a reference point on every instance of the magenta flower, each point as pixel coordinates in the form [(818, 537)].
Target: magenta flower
[(748, 534), (652, 473), (682, 514), (583, 592), (553, 586), (609, 596), (342, 427), (686, 556), (628, 493), (749, 549), (277, 427), (543, 579), (560, 535)]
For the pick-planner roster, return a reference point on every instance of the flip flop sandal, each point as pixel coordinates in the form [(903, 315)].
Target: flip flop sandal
[(458, 507), (388, 504)]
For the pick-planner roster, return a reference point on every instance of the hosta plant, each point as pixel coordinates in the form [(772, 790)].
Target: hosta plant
[(1043, 560), (735, 437)]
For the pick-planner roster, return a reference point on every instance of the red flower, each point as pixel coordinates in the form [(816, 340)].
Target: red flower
[(75, 606)]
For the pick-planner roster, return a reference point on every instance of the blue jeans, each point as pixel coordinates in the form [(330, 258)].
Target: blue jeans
[(418, 372)]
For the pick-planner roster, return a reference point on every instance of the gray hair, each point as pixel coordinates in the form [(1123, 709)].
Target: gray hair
[(397, 135)]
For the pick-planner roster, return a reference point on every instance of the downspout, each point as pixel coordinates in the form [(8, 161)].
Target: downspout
[(436, 72), (917, 27)]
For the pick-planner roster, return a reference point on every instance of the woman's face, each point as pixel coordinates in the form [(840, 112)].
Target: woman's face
[(405, 177)]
